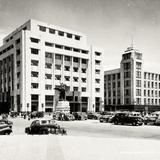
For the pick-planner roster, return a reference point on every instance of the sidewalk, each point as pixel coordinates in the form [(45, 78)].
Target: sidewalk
[(52, 147)]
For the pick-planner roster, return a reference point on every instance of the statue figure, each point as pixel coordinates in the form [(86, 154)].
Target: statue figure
[(62, 91)]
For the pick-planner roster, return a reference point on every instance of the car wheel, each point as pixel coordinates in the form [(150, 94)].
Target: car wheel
[(134, 123), (115, 122), (7, 133)]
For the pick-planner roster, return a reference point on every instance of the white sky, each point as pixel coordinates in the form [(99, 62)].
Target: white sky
[(108, 24)]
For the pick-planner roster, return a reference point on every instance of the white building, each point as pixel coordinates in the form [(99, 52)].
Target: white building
[(37, 57), (130, 87)]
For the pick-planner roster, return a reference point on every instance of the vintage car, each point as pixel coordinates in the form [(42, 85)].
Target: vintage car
[(5, 129), (151, 118), (63, 116), (14, 114), (45, 126), (106, 117), (36, 114), (127, 118), (92, 115), (6, 121), (80, 115)]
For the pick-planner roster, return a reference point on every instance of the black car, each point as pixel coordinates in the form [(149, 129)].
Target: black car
[(107, 117), (127, 118), (6, 121), (44, 126), (5, 129), (36, 114), (91, 115), (80, 115)]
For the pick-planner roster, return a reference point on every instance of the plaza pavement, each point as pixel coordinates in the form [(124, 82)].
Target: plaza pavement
[(56, 147)]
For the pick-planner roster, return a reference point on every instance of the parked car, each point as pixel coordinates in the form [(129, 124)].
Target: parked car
[(151, 118), (107, 117), (63, 116), (45, 126), (14, 114), (5, 129), (157, 122), (37, 114), (6, 121), (93, 115), (127, 118), (80, 115)]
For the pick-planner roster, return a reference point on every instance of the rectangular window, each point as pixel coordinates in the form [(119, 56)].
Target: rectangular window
[(34, 74), (57, 77), (77, 37), (60, 33), (76, 50), (67, 78), (84, 51), (97, 90), (84, 80), (18, 41), (83, 89), (48, 76), (34, 62), (58, 46), (138, 92), (138, 83), (97, 71), (69, 35), (97, 62), (58, 67), (83, 70), (138, 65), (67, 68), (34, 51), (127, 65), (84, 61), (58, 56), (42, 28), (18, 63), (34, 85), (35, 40), (75, 88), (75, 59), (48, 65), (52, 31), (48, 87), (48, 100), (75, 79), (75, 69), (48, 55), (67, 58), (97, 53), (68, 48), (49, 44)]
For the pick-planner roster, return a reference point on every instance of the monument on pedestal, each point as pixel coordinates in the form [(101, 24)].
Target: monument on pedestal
[(62, 105)]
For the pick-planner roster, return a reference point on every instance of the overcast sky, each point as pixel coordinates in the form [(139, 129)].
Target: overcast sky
[(109, 24)]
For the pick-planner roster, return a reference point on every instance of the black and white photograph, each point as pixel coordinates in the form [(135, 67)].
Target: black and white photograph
[(79, 79)]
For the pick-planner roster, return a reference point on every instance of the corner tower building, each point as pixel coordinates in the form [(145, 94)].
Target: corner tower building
[(38, 57), (130, 87)]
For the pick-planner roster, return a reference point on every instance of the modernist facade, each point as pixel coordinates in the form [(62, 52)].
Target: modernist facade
[(37, 57), (130, 87)]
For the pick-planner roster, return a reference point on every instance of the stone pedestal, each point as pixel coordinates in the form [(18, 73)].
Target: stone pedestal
[(63, 106)]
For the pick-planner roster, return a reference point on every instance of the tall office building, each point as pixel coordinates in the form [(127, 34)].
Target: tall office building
[(37, 57), (130, 87)]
